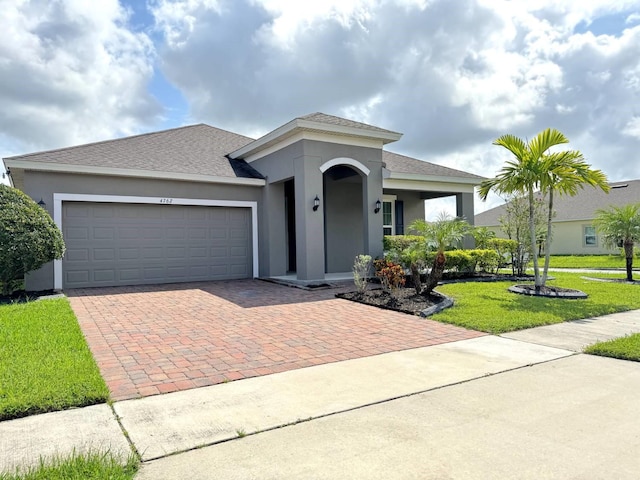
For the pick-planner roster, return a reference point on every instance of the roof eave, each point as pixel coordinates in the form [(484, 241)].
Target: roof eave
[(134, 173), (432, 178)]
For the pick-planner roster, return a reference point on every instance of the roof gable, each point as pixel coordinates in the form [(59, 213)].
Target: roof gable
[(329, 127)]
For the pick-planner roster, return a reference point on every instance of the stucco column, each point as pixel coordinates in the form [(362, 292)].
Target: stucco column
[(273, 240), (464, 209), (372, 222), (309, 223)]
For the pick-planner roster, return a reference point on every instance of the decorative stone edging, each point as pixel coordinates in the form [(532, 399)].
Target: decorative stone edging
[(565, 293), (446, 302), (613, 280)]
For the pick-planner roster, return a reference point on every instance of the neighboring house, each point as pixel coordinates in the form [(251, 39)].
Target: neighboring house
[(199, 203), (573, 231)]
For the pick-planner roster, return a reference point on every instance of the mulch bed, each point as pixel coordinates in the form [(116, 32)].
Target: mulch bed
[(21, 296), (403, 300)]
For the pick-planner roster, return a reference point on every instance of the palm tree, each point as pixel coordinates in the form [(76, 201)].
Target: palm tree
[(535, 169), (620, 225), (445, 231), (566, 172)]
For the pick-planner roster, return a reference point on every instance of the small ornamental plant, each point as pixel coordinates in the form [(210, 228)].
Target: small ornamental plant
[(391, 275), (361, 272)]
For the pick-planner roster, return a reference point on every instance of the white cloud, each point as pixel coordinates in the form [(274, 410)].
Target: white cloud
[(451, 79), (633, 18), (71, 72), (632, 128)]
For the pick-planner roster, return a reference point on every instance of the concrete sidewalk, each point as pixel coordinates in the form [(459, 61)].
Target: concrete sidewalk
[(367, 413), (572, 418), (578, 334)]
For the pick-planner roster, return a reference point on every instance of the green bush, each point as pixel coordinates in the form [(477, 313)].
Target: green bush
[(28, 237), (486, 260), (400, 242), (459, 261)]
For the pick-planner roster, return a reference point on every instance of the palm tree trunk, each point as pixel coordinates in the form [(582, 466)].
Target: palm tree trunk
[(415, 277), (437, 269), (628, 253), (547, 252), (532, 232)]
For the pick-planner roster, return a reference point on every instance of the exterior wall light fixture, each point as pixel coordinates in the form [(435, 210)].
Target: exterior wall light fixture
[(41, 203), (316, 203), (378, 206)]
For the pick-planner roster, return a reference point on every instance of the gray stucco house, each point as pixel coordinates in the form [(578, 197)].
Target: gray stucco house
[(199, 203)]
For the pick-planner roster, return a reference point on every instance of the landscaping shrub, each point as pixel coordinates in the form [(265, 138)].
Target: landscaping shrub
[(486, 260), (459, 261), (391, 274), (28, 237), (400, 242), (361, 271), (508, 251)]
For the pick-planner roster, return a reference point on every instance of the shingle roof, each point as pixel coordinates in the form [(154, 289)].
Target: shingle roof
[(580, 207), (196, 149), (202, 150), (332, 120), (403, 164)]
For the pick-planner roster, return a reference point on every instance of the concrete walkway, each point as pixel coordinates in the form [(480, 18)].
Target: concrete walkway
[(466, 409)]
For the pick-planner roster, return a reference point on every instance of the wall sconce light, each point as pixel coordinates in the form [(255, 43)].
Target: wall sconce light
[(7, 173), (378, 206), (41, 203), (316, 203)]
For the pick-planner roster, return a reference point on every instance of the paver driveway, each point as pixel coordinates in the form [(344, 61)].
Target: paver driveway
[(163, 338)]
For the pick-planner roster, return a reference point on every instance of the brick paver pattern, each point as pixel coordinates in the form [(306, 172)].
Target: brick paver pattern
[(158, 339)]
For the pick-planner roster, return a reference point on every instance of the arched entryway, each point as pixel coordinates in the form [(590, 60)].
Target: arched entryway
[(344, 226)]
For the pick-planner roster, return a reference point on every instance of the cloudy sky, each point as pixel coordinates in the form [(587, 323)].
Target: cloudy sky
[(451, 75)]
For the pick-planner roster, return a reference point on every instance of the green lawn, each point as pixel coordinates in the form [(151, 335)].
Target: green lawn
[(627, 348), (91, 466), (589, 261), (489, 307), (45, 363)]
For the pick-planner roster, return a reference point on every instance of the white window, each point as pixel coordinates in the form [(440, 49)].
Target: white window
[(589, 236), (388, 215)]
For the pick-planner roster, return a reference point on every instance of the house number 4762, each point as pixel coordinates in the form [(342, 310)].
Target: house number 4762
[(166, 200)]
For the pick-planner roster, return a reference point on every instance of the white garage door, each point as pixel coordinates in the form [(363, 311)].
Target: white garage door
[(137, 244)]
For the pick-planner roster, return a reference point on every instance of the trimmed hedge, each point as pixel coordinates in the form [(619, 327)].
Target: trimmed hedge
[(400, 242)]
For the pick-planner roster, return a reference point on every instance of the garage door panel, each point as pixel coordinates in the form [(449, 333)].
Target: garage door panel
[(128, 254), (155, 253), (77, 233), (178, 253), (77, 254), (77, 276), (104, 254), (129, 274), (175, 233), (140, 244), (104, 275)]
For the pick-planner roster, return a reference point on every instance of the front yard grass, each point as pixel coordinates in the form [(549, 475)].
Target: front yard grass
[(89, 466), (626, 348), (45, 363), (489, 307), (588, 261)]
